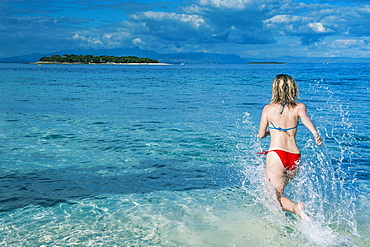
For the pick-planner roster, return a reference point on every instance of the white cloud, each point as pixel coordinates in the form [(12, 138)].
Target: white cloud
[(193, 20), (138, 41), (228, 4), (92, 39), (319, 27), (78, 37), (364, 9), (350, 43), (343, 43), (285, 19)]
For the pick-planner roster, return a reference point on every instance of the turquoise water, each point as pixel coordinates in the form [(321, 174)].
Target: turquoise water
[(165, 156)]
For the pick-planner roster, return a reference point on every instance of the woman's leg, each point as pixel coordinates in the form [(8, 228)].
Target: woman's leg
[(277, 175)]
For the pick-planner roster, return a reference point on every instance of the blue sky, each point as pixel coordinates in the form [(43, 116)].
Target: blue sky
[(248, 28)]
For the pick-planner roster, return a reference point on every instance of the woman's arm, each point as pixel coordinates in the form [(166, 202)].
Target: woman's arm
[(263, 132), (306, 120)]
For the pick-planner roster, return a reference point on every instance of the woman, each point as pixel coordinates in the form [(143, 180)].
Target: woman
[(281, 117)]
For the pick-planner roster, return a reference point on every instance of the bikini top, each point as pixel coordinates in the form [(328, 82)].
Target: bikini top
[(279, 128)]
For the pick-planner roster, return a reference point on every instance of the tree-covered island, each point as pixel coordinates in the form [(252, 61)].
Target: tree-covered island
[(89, 59)]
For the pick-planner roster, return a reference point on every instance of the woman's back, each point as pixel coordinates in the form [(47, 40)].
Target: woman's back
[(283, 123)]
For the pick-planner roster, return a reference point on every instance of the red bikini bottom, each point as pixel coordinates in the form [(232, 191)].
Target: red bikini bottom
[(290, 160)]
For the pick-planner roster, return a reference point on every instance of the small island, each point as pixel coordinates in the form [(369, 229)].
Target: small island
[(266, 63), (89, 59)]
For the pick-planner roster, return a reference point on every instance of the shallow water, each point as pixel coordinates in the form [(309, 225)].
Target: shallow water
[(165, 156)]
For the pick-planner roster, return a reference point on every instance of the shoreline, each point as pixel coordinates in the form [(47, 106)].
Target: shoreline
[(53, 63)]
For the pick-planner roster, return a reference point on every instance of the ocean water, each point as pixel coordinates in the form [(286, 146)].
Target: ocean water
[(115, 155)]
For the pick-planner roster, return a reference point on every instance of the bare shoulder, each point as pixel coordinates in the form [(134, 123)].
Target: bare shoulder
[(270, 107), (302, 109), (265, 109)]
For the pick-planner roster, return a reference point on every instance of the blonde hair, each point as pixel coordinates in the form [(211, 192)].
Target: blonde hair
[(284, 90)]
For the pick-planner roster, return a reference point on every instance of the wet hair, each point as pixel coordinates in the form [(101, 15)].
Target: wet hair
[(284, 90)]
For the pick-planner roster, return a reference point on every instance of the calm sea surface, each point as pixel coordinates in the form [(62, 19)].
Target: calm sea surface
[(114, 155)]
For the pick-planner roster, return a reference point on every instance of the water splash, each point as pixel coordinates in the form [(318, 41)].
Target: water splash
[(319, 235), (255, 182), (323, 183), (332, 193)]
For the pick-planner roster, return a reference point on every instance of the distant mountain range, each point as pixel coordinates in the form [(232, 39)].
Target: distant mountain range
[(182, 58)]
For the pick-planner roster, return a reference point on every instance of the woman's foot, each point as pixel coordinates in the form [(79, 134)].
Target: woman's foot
[(299, 210)]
